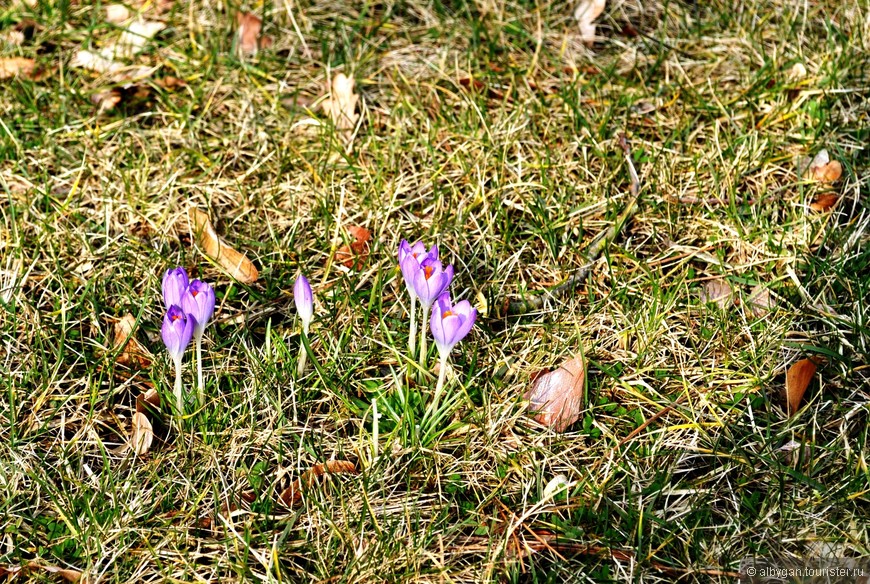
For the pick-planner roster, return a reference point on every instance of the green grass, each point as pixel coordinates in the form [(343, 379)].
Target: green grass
[(512, 178)]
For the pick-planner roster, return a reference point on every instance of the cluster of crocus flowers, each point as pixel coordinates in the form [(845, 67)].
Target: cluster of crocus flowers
[(427, 281), (189, 307), (304, 299)]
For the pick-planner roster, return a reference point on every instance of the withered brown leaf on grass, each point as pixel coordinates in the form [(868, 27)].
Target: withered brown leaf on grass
[(797, 379), (760, 301), (141, 434), (234, 262), (132, 353), (12, 66), (584, 14), (248, 39), (823, 169), (719, 291), (557, 396), (67, 574), (357, 252), (293, 494), (341, 104), (147, 400)]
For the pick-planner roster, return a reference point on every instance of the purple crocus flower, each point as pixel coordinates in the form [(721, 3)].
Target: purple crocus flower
[(175, 284), (198, 302), (410, 257), (304, 300), (177, 330), (451, 324), (431, 280)]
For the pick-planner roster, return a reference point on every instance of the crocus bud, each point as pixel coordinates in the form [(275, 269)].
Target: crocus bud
[(177, 330), (175, 284), (450, 324), (198, 302), (431, 280), (304, 300)]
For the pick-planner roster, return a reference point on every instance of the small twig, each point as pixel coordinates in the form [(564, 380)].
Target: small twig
[(593, 252), (652, 419)]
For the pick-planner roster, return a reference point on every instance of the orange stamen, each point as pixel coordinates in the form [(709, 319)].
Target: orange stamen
[(427, 271), (194, 293), (447, 313)]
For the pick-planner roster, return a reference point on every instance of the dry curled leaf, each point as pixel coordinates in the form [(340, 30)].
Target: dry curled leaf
[(823, 169), (12, 66), (117, 72), (14, 38), (718, 291), (148, 400), (824, 202), (357, 252), (68, 574), (797, 379), (557, 396), (234, 262), (248, 39), (293, 494), (760, 301), (141, 434), (132, 354), (340, 106), (584, 14)]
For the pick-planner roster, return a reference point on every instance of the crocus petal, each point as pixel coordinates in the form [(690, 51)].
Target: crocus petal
[(450, 324), (177, 330), (304, 299), (198, 301), (175, 283), (410, 266)]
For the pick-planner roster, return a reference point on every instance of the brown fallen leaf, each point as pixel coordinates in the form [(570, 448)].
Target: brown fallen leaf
[(293, 494), (13, 66), (234, 262), (13, 38), (248, 39), (170, 83), (141, 434), (106, 100), (824, 201), (823, 169), (760, 301), (584, 14), (341, 104), (358, 251), (797, 379), (718, 291), (132, 353), (67, 574), (557, 396), (145, 401)]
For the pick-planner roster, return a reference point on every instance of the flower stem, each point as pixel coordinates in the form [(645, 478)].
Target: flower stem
[(303, 355), (200, 384), (423, 352), (412, 339), (179, 398), (442, 375)]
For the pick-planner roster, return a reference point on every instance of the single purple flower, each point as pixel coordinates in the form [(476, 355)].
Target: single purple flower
[(431, 280), (175, 284), (177, 330), (410, 257), (304, 300), (451, 324), (198, 302)]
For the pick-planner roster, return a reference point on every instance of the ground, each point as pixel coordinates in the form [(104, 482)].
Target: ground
[(491, 129)]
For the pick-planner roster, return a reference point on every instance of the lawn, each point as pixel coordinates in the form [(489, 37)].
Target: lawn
[(494, 131)]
